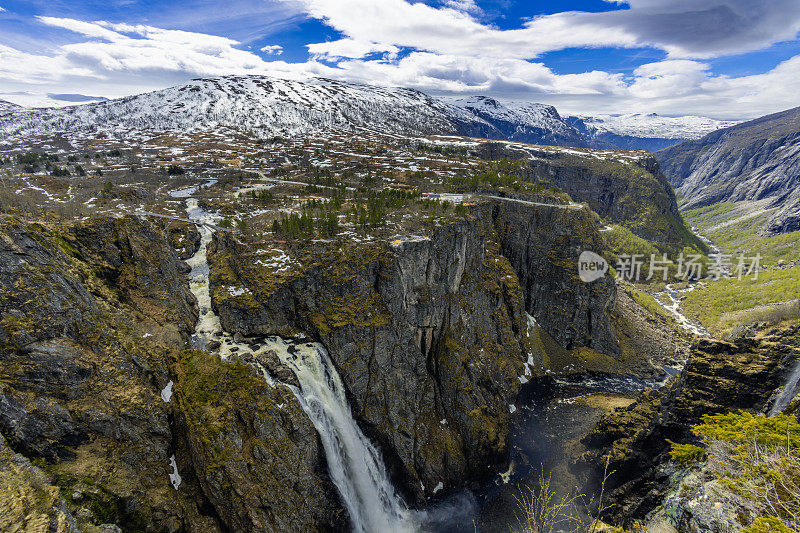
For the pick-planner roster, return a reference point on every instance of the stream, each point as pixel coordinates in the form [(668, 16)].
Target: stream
[(355, 465), (675, 295)]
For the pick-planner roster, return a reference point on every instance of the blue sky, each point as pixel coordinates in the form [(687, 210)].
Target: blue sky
[(719, 58)]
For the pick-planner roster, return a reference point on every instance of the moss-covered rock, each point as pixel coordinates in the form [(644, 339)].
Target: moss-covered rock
[(89, 315), (28, 500), (719, 377), (254, 450)]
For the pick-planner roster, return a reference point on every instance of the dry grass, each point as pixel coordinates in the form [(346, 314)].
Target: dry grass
[(541, 509)]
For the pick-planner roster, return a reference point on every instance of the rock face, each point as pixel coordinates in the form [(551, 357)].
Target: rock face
[(756, 160), (542, 245), (719, 377), (626, 188), (255, 453), (78, 387), (93, 321), (430, 334)]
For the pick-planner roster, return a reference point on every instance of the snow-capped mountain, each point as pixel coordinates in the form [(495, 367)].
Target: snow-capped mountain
[(8, 107), (644, 131), (522, 121), (263, 105), (267, 107)]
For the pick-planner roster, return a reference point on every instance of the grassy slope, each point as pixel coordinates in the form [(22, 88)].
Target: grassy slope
[(723, 304), (743, 236)]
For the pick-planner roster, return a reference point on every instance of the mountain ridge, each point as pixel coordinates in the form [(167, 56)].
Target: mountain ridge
[(522, 121), (637, 131), (268, 106), (758, 160)]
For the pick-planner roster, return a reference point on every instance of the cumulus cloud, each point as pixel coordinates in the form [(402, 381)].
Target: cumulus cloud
[(448, 30), (126, 47), (36, 69), (350, 48), (121, 59), (272, 49), (683, 28), (440, 50)]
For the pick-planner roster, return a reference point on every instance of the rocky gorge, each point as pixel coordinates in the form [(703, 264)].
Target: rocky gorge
[(646, 484), (412, 362), (101, 394), (436, 342)]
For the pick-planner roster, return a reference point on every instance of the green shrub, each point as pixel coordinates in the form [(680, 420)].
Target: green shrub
[(769, 524), (755, 457), (686, 453), (742, 429)]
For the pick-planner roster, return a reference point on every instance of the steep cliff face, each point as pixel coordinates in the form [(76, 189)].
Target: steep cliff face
[(79, 388), (719, 377), (430, 334), (626, 188), (543, 244), (93, 321), (756, 160)]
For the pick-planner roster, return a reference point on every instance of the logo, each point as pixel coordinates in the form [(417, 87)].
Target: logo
[(591, 267)]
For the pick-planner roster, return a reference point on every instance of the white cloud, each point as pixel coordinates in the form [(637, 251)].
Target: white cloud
[(452, 31), (468, 6), (272, 49), (121, 59), (350, 48), (438, 50), (35, 69), (125, 47), (2, 9), (683, 28)]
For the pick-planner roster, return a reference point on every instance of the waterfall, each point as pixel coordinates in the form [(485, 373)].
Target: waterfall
[(355, 465), (208, 322), (787, 391)]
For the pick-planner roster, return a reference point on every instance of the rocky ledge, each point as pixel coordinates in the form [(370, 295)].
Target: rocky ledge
[(631, 445)]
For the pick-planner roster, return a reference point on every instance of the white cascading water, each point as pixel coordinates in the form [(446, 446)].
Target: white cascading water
[(208, 322), (355, 465), (787, 392), (674, 308)]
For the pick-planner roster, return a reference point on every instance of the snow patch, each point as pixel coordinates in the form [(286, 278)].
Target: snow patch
[(166, 392), (174, 477)]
